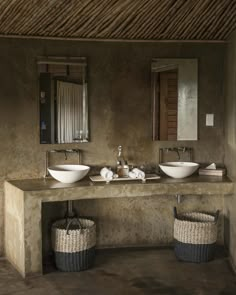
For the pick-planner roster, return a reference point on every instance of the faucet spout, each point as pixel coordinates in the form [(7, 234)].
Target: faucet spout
[(177, 151)]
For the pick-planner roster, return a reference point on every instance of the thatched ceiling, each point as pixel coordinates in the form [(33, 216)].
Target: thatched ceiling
[(119, 19)]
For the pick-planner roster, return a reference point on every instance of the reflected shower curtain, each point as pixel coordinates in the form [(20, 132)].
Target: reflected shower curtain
[(70, 111)]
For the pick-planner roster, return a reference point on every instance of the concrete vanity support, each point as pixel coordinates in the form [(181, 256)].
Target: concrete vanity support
[(23, 201), (14, 227), (23, 242)]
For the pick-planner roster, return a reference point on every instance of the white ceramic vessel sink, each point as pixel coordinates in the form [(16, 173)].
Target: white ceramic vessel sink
[(68, 173), (179, 169)]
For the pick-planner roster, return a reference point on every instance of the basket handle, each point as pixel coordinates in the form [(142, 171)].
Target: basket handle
[(175, 212), (70, 222), (217, 215)]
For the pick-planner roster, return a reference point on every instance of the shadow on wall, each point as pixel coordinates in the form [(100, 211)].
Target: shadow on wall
[(227, 229), (50, 213)]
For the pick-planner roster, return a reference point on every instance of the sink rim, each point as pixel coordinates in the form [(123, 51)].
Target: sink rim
[(63, 167), (179, 164)]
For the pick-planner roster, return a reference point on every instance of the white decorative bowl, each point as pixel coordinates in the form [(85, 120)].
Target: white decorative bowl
[(68, 173), (179, 169)]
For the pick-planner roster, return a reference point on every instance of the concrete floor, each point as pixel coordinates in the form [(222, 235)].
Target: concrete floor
[(128, 272)]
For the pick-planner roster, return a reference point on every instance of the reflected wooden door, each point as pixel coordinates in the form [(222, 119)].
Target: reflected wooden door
[(168, 91)]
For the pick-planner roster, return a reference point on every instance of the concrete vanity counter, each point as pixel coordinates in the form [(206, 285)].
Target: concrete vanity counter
[(51, 190), (24, 198)]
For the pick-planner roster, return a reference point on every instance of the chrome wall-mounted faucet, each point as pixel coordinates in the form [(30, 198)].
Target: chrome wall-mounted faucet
[(177, 150)]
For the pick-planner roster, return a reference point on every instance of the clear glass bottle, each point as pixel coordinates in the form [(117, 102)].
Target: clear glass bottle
[(122, 165)]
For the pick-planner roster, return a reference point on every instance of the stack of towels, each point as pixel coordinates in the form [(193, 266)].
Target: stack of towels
[(135, 173)]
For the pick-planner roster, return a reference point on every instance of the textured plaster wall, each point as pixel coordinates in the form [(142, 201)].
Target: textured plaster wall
[(120, 109), (230, 144)]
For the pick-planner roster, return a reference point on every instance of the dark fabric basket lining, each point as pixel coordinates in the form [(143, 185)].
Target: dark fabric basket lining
[(194, 252), (77, 261)]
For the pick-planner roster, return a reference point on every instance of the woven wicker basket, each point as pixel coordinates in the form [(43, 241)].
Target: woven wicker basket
[(195, 236), (73, 242)]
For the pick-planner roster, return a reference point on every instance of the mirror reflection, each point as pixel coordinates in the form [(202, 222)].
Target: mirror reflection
[(175, 99), (63, 100)]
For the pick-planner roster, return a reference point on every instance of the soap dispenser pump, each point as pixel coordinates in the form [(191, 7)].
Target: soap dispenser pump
[(122, 165)]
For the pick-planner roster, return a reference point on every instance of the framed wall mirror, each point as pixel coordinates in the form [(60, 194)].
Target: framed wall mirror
[(175, 99), (63, 100)]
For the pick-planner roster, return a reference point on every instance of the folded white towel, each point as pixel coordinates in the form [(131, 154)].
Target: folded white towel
[(106, 173), (139, 173), (132, 174), (211, 167)]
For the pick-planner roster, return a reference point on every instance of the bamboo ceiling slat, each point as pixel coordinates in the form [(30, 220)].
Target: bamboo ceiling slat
[(31, 25), (123, 20), (189, 21), (204, 14), (181, 12), (91, 27), (206, 20), (76, 27), (8, 19), (228, 27), (212, 31), (103, 20), (31, 19), (139, 18), (222, 31), (78, 15), (169, 22), (154, 25), (132, 29), (56, 20), (193, 21), (62, 22), (203, 25), (199, 12), (152, 18), (44, 19), (89, 23), (217, 22), (6, 12), (27, 14), (231, 29), (116, 18)]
